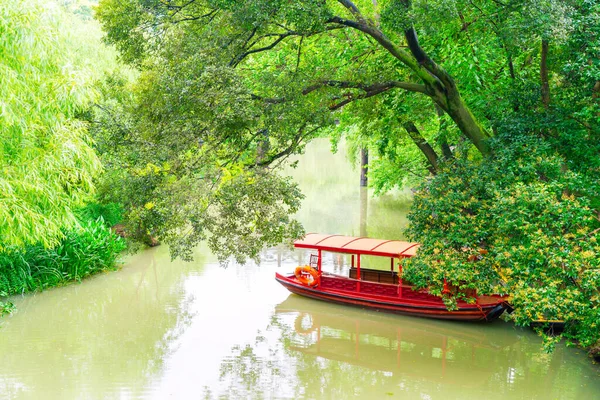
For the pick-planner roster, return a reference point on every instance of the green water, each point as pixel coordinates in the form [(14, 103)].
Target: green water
[(171, 330)]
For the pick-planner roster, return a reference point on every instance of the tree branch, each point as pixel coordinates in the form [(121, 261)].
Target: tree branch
[(422, 144), (280, 37), (299, 53), (240, 57), (210, 15), (409, 86), (288, 150), (269, 100), (390, 46), (352, 7), (424, 59), (442, 132), (368, 89)]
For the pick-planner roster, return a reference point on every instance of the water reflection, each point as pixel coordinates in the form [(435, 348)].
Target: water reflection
[(335, 203), (421, 348), (328, 351), (66, 343)]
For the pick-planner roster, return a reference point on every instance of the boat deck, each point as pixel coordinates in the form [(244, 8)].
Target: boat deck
[(378, 289)]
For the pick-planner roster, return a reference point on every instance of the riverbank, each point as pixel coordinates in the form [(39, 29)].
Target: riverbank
[(89, 248), (595, 352)]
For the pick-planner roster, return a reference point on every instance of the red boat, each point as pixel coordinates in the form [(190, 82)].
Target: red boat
[(377, 289)]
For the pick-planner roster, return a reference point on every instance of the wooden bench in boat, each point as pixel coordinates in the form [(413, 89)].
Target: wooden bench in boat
[(375, 287), (375, 275)]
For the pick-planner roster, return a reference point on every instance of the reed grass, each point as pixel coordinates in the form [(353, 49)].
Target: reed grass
[(85, 250)]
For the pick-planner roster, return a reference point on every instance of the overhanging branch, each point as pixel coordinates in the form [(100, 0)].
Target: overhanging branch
[(279, 38), (395, 50), (369, 90), (409, 86)]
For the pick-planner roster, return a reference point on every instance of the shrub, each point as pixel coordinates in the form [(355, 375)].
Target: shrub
[(111, 213), (518, 223)]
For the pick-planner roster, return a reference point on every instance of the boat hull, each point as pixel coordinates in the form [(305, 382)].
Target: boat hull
[(491, 310)]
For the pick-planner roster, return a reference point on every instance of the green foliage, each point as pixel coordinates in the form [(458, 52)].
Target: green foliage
[(47, 164), (517, 223), (90, 248), (6, 308), (188, 150), (111, 214), (228, 89)]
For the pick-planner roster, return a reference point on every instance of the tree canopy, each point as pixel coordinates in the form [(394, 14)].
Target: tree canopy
[(497, 101)]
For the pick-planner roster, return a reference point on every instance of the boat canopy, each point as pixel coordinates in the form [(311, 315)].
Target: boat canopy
[(357, 245)]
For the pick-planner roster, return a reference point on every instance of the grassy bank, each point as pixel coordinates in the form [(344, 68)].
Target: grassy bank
[(85, 250)]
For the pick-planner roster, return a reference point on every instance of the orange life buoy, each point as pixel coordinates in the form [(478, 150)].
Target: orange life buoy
[(307, 275)]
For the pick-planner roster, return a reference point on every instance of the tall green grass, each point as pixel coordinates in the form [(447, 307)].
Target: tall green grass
[(111, 213), (87, 249)]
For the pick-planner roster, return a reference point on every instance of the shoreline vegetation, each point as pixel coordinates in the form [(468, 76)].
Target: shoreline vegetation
[(52, 59), (184, 113), (87, 249)]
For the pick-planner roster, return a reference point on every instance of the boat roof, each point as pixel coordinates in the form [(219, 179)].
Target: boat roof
[(357, 245)]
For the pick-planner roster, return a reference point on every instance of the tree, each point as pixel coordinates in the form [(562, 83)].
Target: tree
[(47, 163), (498, 97), (229, 98)]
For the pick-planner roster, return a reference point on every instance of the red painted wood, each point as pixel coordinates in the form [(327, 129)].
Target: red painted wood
[(384, 297), (349, 251), (319, 262), (358, 273)]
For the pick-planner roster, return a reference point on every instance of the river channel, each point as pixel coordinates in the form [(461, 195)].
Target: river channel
[(158, 329)]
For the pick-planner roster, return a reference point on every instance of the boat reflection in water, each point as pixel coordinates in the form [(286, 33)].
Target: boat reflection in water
[(445, 351), (316, 350), (421, 358)]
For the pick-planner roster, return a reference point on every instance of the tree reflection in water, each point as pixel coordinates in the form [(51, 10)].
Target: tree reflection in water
[(105, 339)]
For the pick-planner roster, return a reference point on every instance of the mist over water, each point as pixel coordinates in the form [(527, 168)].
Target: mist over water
[(159, 329)]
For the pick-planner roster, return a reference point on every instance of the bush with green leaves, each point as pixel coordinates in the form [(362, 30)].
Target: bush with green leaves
[(111, 213), (518, 223)]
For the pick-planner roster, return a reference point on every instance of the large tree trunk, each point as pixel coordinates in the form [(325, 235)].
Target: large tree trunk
[(460, 113), (444, 92), (437, 83)]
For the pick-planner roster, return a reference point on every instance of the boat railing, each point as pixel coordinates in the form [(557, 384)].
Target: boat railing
[(331, 275), (338, 282)]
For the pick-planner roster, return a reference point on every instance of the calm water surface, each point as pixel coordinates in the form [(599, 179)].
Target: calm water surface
[(159, 329)]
